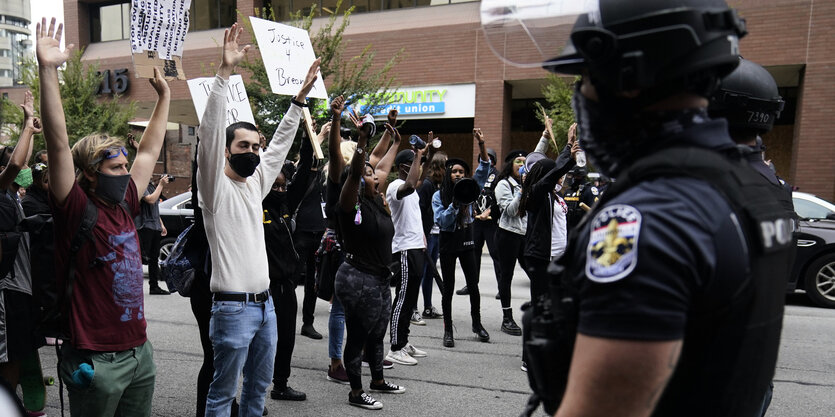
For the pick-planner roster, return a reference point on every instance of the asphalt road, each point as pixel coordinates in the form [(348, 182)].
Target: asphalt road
[(471, 379)]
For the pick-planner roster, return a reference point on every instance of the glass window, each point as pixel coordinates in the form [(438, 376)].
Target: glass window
[(283, 8), (212, 14), (809, 209), (111, 22)]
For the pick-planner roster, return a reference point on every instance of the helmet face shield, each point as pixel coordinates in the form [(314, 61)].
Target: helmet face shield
[(533, 33)]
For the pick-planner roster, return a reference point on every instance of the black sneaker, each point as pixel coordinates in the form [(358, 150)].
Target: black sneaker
[(309, 331), (449, 341), (510, 327), (386, 387), (288, 394), (365, 401), (481, 334), (158, 291), (432, 313), (463, 291)]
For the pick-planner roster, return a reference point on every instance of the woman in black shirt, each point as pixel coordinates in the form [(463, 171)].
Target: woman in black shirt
[(362, 281)]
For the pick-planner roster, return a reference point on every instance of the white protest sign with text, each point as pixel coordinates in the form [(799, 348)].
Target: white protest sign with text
[(287, 54), (157, 34), (237, 102)]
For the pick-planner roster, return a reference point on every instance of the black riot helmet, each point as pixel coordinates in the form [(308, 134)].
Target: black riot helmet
[(657, 46), (748, 98)]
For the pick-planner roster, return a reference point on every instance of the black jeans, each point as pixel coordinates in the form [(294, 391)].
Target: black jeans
[(201, 307), (467, 259), (149, 241), (538, 272), (366, 299), (286, 307), (411, 271), (306, 245), (485, 231), (511, 247)]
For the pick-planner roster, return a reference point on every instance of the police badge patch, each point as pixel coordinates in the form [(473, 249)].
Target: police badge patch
[(613, 245)]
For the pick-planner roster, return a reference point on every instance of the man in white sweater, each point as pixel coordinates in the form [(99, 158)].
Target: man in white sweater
[(232, 181)]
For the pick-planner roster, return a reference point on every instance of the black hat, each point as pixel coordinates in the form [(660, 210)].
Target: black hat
[(514, 154), (406, 156), (455, 161)]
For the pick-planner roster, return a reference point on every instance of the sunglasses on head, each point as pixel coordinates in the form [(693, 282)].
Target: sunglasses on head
[(110, 153)]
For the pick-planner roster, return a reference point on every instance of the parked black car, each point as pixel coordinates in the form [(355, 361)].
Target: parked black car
[(176, 213), (814, 268)]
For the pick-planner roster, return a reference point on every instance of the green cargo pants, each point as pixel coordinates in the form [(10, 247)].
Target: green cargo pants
[(122, 384)]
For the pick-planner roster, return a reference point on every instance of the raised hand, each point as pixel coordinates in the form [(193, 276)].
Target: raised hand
[(324, 132), (28, 105), (34, 124), (478, 136), (232, 53), (48, 48), (395, 135), (337, 107), (572, 133), (356, 120), (392, 116), (159, 83), (309, 79)]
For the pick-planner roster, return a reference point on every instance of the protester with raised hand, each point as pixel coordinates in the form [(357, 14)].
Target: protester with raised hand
[(362, 281), (17, 323), (107, 339), (232, 181), (455, 219)]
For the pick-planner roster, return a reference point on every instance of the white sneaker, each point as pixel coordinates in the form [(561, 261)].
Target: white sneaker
[(401, 357), (417, 320), (413, 351)]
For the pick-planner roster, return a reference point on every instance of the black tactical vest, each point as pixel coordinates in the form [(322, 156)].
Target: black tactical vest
[(740, 358)]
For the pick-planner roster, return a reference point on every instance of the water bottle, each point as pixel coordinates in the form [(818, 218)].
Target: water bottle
[(417, 142), (580, 159)]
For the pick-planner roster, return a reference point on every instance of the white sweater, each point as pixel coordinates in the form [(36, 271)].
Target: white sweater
[(232, 210)]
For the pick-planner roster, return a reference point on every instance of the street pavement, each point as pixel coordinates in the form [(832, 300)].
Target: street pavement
[(471, 379)]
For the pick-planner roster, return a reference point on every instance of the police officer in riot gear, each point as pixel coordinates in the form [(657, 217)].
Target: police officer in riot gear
[(669, 299), (576, 188), (749, 100)]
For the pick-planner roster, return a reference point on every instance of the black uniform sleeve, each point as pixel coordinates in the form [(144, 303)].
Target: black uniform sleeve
[(675, 253)]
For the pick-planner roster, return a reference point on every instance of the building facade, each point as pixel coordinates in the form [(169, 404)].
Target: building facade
[(15, 41), (451, 80)]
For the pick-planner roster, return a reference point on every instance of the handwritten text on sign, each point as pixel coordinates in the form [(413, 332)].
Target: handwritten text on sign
[(237, 102), (160, 26), (287, 54)]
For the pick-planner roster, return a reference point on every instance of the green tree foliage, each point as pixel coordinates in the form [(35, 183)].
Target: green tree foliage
[(85, 111), (354, 77), (558, 92)]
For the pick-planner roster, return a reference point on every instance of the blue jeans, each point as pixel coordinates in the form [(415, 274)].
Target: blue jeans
[(336, 329), (244, 339)]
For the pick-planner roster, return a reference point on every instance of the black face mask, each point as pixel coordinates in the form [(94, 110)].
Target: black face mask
[(112, 188), (616, 133), (277, 201), (244, 164)]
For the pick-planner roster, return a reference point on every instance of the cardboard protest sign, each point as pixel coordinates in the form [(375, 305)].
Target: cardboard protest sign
[(237, 102), (157, 34), (287, 54)]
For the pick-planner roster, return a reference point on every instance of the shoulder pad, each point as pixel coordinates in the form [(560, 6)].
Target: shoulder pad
[(594, 190)]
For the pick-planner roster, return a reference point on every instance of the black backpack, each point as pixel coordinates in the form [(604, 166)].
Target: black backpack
[(55, 320)]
